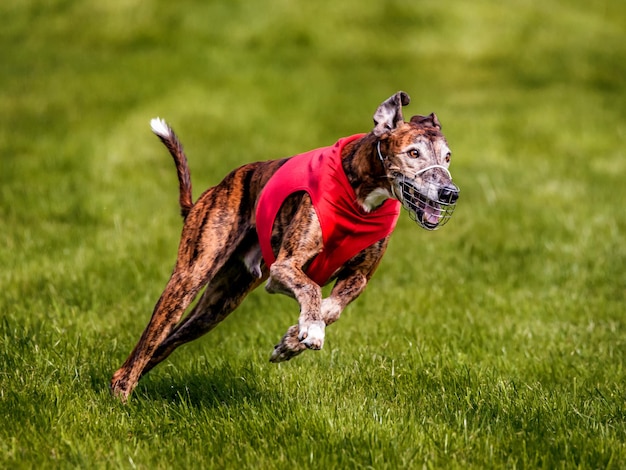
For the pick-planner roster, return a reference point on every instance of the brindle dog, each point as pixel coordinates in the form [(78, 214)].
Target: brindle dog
[(219, 246)]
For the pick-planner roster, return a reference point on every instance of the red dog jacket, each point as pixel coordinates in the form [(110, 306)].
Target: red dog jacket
[(346, 228)]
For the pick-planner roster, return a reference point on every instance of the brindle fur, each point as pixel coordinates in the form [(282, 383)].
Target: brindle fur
[(219, 248)]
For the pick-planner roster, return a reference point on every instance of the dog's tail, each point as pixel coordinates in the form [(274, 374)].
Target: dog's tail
[(167, 136)]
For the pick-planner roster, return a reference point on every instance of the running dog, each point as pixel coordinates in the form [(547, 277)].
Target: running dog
[(297, 223)]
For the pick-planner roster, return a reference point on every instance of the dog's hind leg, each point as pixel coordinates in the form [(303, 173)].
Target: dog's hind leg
[(222, 296), (212, 232), (178, 294)]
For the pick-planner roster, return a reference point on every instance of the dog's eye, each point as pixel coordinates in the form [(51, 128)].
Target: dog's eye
[(448, 155), (414, 153)]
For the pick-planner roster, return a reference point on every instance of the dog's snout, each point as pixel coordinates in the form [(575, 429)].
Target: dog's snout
[(449, 193)]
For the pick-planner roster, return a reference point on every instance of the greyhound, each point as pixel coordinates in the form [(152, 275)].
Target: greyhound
[(298, 223)]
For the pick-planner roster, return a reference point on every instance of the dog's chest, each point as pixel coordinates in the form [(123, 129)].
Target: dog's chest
[(346, 228)]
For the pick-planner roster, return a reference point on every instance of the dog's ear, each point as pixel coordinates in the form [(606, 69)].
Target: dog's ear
[(430, 120), (389, 114)]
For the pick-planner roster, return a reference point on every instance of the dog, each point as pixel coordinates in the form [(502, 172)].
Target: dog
[(266, 221)]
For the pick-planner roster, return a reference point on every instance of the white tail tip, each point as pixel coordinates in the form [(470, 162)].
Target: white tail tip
[(160, 127)]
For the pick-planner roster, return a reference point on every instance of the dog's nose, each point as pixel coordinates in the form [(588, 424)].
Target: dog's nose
[(449, 194)]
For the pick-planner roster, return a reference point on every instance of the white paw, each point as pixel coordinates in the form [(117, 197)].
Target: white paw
[(312, 334)]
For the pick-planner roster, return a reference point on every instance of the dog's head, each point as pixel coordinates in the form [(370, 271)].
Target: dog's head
[(416, 157)]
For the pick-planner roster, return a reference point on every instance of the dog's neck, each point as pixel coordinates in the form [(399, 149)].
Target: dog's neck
[(366, 173)]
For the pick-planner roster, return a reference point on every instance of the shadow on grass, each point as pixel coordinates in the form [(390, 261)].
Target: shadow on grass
[(220, 386)]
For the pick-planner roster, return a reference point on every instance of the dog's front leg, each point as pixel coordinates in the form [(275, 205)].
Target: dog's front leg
[(287, 277), (344, 291), (351, 282), (301, 242)]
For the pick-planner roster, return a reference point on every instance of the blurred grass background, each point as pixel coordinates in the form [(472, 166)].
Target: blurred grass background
[(497, 341)]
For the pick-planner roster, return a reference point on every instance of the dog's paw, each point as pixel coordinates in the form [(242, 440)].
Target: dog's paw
[(312, 334), (283, 353), (289, 347), (119, 388)]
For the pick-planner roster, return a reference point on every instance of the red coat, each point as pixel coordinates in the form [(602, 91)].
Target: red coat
[(346, 228)]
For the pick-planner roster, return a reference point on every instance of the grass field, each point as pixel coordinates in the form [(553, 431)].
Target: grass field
[(496, 342)]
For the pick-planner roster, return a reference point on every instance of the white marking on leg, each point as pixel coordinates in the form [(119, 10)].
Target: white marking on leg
[(314, 335), (331, 309)]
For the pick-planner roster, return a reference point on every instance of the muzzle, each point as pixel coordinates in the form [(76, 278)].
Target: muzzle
[(428, 204)]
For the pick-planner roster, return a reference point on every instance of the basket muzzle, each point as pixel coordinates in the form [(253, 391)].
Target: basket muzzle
[(429, 204)]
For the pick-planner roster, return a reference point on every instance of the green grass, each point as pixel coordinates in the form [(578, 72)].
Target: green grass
[(496, 342)]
